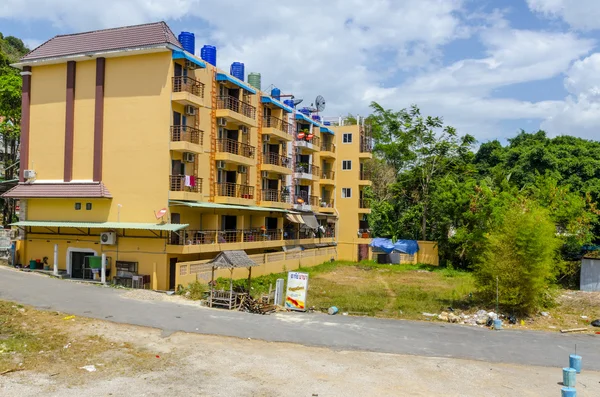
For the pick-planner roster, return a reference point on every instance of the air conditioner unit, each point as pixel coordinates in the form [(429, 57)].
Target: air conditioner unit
[(189, 157), (190, 110), (190, 65), (221, 164), (244, 129), (265, 174), (29, 174), (221, 121), (109, 238), (266, 137), (222, 133), (242, 169)]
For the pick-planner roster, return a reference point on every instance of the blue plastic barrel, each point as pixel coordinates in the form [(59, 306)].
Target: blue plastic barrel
[(188, 41), (575, 362), (569, 375), (316, 117), (327, 122), (568, 392), (497, 324), (237, 70), (276, 93), (289, 102), (209, 54), (305, 111), (332, 310)]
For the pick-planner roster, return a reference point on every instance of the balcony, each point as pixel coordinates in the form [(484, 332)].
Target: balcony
[(313, 144), (365, 147), (277, 127), (232, 193), (198, 241), (303, 201), (186, 139), (235, 152), (364, 178), (276, 198), (307, 171), (304, 236), (185, 187), (187, 91), (236, 110), (327, 149), (364, 206), (328, 178), (274, 162), (326, 206)]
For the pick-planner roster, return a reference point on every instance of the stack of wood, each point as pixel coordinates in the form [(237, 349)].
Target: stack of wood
[(250, 305)]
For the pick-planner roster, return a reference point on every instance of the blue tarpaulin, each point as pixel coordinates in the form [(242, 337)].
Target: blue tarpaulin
[(386, 245)]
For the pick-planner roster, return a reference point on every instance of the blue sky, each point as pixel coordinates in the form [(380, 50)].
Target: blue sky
[(489, 67)]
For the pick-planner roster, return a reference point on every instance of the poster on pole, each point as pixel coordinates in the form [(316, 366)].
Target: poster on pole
[(295, 295)]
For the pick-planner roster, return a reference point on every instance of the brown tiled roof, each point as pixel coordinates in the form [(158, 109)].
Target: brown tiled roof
[(58, 190), (105, 40)]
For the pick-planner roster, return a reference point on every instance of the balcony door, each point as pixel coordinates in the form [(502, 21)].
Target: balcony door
[(177, 167)]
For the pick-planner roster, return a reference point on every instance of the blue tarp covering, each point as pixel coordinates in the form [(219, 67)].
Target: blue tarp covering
[(409, 247), (300, 116), (231, 79), (327, 130), (189, 57), (268, 99)]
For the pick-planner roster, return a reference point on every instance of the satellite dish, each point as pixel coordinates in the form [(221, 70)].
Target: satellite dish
[(161, 213), (320, 103), (297, 101)]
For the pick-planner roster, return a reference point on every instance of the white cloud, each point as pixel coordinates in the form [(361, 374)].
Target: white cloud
[(580, 14)]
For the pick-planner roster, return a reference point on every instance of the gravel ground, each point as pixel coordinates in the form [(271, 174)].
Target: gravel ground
[(218, 366)]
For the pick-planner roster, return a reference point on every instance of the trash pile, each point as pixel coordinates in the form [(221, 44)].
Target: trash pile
[(250, 305), (482, 318)]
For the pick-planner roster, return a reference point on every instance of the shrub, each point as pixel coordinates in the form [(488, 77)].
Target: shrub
[(194, 291), (522, 254)]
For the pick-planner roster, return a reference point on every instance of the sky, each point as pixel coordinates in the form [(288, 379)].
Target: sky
[(488, 67)]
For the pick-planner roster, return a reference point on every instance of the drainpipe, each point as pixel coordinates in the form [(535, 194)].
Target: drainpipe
[(103, 271), (56, 259)]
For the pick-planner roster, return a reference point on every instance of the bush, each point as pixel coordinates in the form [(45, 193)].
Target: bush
[(522, 253), (194, 291)]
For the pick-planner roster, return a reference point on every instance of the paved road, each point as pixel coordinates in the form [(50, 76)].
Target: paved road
[(336, 332)]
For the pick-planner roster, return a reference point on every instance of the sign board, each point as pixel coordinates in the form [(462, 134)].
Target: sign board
[(295, 296)]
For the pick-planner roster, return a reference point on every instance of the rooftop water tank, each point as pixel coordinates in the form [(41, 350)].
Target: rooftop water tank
[(188, 41), (289, 102), (254, 80), (327, 122), (209, 54), (276, 93), (316, 117), (305, 111), (237, 70)]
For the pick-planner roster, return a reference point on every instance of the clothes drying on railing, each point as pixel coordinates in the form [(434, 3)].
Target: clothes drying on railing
[(189, 181)]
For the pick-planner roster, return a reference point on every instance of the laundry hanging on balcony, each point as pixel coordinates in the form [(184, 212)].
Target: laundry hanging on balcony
[(190, 181)]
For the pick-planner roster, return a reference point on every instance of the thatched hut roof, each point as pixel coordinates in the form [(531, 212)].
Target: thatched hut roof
[(232, 259)]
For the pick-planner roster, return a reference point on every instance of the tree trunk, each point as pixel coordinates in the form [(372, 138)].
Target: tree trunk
[(424, 223)]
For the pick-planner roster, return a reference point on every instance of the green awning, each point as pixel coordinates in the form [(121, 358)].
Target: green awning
[(169, 227), (204, 204)]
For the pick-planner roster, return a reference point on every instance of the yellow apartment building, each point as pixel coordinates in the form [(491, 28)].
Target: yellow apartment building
[(134, 148)]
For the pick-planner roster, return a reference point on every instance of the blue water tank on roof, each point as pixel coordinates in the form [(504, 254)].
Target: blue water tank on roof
[(327, 122), (188, 41), (289, 102), (237, 70), (316, 117), (209, 54), (276, 93), (305, 111)]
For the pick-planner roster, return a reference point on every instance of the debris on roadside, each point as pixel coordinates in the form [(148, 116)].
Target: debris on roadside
[(251, 305), (429, 314), (565, 331), (545, 314), (595, 323), (89, 368)]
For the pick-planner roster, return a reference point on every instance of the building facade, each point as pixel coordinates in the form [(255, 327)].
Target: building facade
[(135, 148)]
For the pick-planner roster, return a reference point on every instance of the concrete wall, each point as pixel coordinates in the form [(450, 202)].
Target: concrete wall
[(590, 275)]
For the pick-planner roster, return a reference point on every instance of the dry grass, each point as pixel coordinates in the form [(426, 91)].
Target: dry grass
[(59, 345)]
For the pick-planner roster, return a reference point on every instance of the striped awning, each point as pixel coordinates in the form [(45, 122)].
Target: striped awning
[(295, 218)]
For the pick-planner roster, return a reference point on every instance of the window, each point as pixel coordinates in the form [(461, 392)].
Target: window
[(77, 206), (346, 192), (88, 206), (347, 138), (346, 165)]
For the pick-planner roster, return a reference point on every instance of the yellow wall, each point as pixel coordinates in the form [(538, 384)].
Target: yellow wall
[(64, 210), (48, 109), (83, 142)]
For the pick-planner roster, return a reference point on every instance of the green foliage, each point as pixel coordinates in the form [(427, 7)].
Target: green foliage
[(522, 255), (194, 290)]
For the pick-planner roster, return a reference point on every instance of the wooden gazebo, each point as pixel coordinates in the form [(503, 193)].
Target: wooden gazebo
[(229, 260)]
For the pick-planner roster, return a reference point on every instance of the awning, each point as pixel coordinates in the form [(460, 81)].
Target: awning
[(268, 99), (233, 80), (295, 218), (311, 221), (59, 190), (301, 116), (188, 57), (169, 227), (327, 130), (203, 204)]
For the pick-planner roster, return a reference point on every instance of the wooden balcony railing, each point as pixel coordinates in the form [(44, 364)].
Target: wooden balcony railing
[(328, 147), (315, 140), (185, 133), (184, 83), (308, 169), (276, 196), (364, 203), (235, 190), (204, 237), (327, 203), (185, 183), (235, 147), (234, 104), (295, 234), (277, 159), (366, 144), (328, 174), (278, 124), (365, 175)]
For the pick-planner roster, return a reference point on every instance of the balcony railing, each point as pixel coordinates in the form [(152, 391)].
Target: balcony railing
[(366, 144), (295, 234), (204, 237), (365, 175), (277, 196), (235, 190), (308, 169), (234, 104), (185, 183), (328, 147), (184, 83), (364, 203), (315, 140), (278, 124), (235, 147), (277, 159), (328, 174), (185, 133), (327, 203)]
